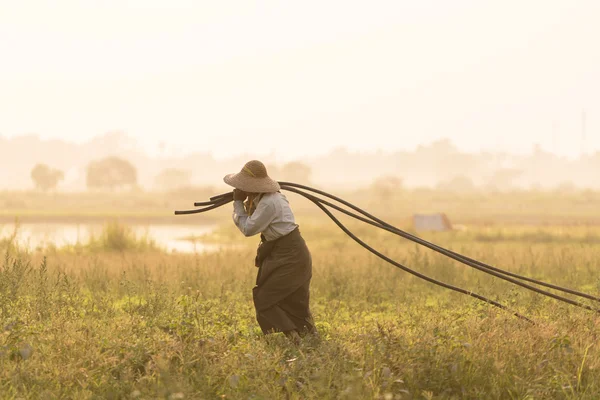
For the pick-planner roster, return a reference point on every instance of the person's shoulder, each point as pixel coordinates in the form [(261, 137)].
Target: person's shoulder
[(274, 198), (269, 198)]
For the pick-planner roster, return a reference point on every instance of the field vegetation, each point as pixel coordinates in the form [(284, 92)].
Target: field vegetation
[(119, 318), (479, 207)]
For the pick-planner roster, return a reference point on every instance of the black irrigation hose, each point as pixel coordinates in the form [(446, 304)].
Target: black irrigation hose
[(200, 210), (449, 253), (406, 269), (210, 203), (216, 203), (222, 199), (394, 230)]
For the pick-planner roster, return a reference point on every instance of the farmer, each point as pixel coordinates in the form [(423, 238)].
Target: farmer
[(281, 294)]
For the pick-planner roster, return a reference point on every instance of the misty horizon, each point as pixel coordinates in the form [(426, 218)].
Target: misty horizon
[(437, 164), (164, 150)]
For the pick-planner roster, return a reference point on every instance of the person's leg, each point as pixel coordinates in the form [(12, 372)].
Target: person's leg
[(297, 308), (274, 319)]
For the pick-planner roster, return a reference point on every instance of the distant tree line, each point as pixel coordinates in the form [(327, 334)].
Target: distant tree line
[(439, 164), (115, 173), (109, 173)]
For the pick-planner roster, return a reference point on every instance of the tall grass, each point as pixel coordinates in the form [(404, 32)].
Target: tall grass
[(107, 324), (9, 243), (116, 236)]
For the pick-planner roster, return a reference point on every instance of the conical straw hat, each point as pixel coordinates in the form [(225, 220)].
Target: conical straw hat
[(253, 178)]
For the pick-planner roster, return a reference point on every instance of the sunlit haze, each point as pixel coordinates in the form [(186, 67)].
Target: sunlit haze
[(302, 78)]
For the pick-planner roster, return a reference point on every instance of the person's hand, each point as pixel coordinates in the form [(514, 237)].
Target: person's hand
[(239, 194)]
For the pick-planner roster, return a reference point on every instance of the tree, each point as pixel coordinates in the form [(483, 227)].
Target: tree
[(110, 173), (173, 178), (296, 172), (46, 178), (384, 187)]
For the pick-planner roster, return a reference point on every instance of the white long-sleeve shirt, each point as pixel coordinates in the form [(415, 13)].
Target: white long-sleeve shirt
[(273, 217)]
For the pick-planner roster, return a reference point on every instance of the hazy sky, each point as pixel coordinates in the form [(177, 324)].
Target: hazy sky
[(303, 77)]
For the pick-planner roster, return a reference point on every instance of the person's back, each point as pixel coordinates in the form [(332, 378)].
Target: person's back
[(270, 215)]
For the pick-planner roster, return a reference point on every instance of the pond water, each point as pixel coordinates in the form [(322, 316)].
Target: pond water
[(170, 237)]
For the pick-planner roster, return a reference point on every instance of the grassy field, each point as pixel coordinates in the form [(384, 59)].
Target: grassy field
[(473, 208), (119, 319)]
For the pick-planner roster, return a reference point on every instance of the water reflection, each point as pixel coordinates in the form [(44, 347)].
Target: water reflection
[(170, 237)]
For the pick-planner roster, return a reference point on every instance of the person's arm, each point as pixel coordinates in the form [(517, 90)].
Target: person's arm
[(257, 222)]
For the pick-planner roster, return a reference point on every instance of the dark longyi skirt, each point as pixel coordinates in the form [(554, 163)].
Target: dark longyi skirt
[(281, 295)]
